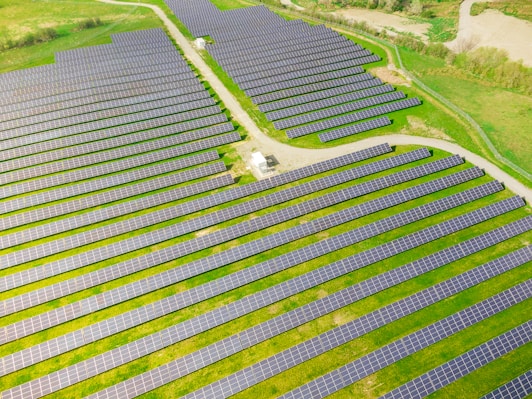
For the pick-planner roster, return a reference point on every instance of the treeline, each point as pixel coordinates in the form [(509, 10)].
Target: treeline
[(45, 35)]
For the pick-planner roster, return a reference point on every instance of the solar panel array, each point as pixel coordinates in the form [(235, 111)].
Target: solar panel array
[(179, 250), (118, 241), (276, 62), (149, 380), (268, 267), (412, 343)]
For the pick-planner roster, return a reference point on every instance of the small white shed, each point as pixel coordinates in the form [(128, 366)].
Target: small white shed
[(200, 43), (259, 161)]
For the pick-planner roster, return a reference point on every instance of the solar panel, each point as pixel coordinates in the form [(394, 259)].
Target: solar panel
[(106, 168), (13, 331), (411, 343), (368, 364), (233, 344), (354, 129), (318, 95), (95, 216), (328, 102), (338, 110), (130, 244)]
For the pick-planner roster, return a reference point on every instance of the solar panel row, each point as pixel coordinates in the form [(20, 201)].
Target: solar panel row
[(106, 66), (178, 301), (318, 95), (328, 102), (116, 166), (303, 40), (83, 83), (350, 118), (299, 316), (330, 45), (41, 152), (414, 342), (104, 154), (99, 215), (23, 106), (339, 110), (354, 129), (464, 364), (112, 108), (105, 119), (296, 91), (108, 183), (303, 81), (265, 78)]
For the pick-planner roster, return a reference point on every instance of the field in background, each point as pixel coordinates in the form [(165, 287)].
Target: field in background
[(24, 17)]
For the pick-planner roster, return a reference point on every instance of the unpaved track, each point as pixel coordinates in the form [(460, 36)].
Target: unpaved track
[(292, 157)]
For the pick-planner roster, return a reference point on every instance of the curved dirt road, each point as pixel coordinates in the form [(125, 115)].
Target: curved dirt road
[(292, 157)]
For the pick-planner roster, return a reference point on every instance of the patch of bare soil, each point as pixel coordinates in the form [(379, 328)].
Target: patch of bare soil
[(389, 76)]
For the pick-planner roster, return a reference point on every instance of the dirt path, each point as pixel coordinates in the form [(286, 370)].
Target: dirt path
[(493, 29), (292, 157)]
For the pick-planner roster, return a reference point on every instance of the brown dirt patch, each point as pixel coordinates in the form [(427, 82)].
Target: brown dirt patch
[(388, 76)]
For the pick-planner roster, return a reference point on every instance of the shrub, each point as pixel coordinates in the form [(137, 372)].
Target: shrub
[(437, 50), (89, 23)]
